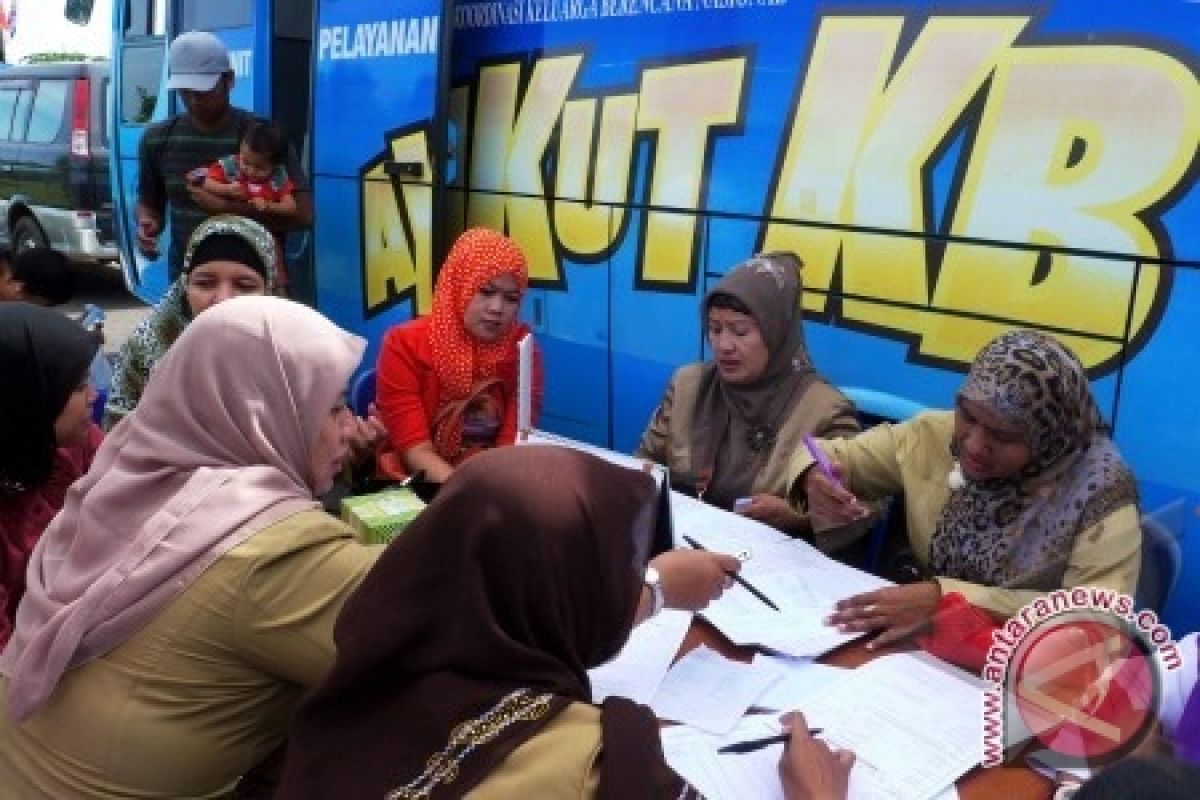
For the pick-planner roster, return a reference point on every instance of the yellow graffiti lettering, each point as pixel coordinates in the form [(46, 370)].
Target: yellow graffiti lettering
[(859, 144), (589, 209), (1074, 144), (682, 104), (508, 146), (396, 229)]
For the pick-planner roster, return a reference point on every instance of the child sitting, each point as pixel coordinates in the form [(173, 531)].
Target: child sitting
[(258, 175), (39, 275)]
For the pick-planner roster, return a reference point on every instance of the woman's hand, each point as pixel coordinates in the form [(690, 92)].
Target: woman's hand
[(898, 611), (831, 503), (365, 435), (809, 769), (691, 579), (774, 511)]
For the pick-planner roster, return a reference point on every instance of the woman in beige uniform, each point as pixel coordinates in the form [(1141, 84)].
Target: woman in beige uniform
[(184, 598), (1015, 493), (726, 428)]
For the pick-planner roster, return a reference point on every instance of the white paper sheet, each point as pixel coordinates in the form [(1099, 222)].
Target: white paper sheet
[(802, 581), (639, 668), (525, 383), (800, 687), (708, 691), (913, 723), (727, 776)]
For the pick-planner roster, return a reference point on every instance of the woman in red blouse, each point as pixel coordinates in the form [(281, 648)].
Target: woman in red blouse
[(447, 382)]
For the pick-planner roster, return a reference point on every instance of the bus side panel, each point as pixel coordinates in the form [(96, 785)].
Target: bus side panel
[(374, 95), (945, 173)]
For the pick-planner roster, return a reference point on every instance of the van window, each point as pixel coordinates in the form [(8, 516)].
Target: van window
[(21, 116), (142, 66), (8, 102), (211, 15), (49, 111)]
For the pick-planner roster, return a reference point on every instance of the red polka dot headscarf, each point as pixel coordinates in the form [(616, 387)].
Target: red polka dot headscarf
[(461, 360)]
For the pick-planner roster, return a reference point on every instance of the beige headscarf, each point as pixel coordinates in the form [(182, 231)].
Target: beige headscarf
[(217, 450)]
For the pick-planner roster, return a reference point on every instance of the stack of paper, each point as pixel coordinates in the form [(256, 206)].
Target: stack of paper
[(801, 580), (639, 668), (693, 754), (913, 722), (708, 691)]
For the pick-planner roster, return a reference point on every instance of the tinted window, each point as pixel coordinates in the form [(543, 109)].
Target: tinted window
[(211, 15), (21, 116), (8, 101), (141, 82), (49, 110)]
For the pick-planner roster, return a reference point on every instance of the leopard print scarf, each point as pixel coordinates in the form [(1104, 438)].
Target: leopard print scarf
[(1019, 533)]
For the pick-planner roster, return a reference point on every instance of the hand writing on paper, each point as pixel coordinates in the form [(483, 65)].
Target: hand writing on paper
[(808, 769), (831, 502), (898, 611), (691, 579), (772, 510)]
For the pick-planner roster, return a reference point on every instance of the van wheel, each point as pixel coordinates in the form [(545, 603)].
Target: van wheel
[(27, 235)]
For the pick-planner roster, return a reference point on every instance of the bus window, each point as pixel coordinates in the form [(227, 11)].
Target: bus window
[(142, 70), (212, 15), (145, 17)]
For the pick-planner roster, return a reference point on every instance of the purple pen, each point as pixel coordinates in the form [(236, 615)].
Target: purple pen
[(822, 461)]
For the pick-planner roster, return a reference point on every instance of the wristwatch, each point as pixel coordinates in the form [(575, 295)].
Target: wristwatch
[(654, 584)]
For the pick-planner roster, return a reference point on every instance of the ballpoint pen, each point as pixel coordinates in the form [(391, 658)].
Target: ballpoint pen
[(822, 460), (750, 745), (737, 578)]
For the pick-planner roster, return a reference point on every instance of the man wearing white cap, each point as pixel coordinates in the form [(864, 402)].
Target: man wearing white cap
[(171, 151)]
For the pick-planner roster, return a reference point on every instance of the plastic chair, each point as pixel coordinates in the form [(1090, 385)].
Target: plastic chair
[(1162, 559), (362, 392)]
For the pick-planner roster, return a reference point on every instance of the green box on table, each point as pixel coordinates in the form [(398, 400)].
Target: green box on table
[(380, 517)]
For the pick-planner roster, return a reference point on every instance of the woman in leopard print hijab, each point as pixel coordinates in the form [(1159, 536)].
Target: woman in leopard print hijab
[(1017, 532)]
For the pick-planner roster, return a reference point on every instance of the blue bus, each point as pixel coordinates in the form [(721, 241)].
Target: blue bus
[(945, 170)]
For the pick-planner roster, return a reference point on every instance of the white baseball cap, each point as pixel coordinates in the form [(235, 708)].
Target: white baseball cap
[(195, 61)]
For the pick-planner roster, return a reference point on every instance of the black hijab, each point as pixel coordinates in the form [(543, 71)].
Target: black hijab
[(43, 357), (477, 626)]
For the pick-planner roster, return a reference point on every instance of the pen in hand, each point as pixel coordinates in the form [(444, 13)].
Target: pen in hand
[(822, 460), (750, 745), (737, 578)]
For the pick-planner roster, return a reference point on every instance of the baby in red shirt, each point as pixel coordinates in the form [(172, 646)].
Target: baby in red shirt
[(258, 175)]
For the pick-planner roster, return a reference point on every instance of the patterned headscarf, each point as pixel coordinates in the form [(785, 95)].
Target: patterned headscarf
[(1019, 533), (461, 360), (154, 335), (247, 230)]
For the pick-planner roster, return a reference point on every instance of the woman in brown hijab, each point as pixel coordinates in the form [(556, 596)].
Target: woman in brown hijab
[(462, 659), (726, 428)]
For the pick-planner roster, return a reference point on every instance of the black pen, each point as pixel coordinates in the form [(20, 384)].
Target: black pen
[(745, 584), (750, 745)]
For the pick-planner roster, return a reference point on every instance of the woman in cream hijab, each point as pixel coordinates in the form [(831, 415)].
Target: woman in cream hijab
[(184, 598)]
